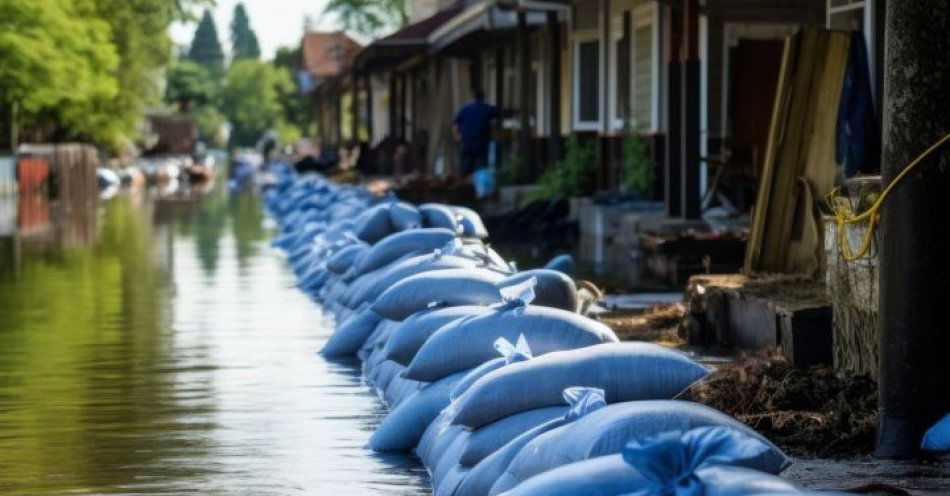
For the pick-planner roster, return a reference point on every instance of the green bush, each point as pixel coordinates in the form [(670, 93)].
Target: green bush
[(573, 176), (637, 166)]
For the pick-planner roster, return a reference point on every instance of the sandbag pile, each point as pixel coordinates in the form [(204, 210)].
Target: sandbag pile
[(492, 376)]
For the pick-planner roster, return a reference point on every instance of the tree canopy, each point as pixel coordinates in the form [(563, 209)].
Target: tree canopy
[(83, 69), (205, 47), (243, 40), (369, 17), (251, 100)]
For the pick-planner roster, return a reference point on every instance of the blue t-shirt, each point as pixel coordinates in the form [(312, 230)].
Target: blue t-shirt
[(474, 122)]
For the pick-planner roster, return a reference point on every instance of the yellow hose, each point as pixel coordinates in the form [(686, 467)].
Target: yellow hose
[(844, 215)]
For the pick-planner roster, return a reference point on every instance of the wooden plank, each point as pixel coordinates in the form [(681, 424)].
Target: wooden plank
[(763, 194)]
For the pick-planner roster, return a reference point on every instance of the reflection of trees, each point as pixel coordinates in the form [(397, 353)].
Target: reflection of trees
[(247, 225), (81, 349), (210, 218)]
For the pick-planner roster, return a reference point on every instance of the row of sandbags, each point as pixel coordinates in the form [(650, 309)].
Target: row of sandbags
[(492, 376)]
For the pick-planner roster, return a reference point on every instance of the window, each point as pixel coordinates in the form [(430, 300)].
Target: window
[(644, 69), (623, 82), (587, 84)]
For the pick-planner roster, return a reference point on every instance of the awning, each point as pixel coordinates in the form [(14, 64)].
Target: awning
[(487, 20), (411, 40)]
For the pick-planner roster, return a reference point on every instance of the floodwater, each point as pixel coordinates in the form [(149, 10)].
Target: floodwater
[(160, 347)]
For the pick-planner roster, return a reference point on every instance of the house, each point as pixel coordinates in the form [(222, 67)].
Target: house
[(325, 62)]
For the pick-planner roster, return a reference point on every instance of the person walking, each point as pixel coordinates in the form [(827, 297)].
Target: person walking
[(472, 128)]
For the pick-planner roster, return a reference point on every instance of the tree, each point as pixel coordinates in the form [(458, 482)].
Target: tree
[(57, 62), (296, 103), (243, 40), (187, 84), (251, 99), (368, 17), (205, 47)]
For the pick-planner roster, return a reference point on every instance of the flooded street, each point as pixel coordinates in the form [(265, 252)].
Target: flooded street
[(162, 348)]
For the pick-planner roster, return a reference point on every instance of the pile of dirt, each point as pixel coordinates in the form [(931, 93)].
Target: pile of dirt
[(807, 413), (657, 324)]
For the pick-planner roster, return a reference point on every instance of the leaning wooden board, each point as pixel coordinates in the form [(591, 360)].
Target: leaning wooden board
[(801, 144)]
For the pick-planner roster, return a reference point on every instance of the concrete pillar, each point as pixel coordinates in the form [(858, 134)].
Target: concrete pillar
[(554, 81), (915, 243), (525, 93), (689, 102), (673, 151)]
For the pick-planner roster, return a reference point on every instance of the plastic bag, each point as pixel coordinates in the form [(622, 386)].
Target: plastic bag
[(551, 288), (480, 479), (449, 287), (413, 332), (937, 438), (374, 225), (471, 222), (468, 343), (344, 258), (404, 425), (608, 430), (510, 353), (438, 215), (625, 371), (563, 263), (705, 461), (349, 338), (404, 216), (402, 243)]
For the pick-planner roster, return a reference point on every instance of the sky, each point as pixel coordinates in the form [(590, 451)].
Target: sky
[(276, 22)]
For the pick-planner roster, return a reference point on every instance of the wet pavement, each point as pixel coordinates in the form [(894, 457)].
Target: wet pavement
[(160, 347)]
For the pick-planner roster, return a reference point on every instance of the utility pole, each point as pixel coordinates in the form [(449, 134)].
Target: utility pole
[(915, 241)]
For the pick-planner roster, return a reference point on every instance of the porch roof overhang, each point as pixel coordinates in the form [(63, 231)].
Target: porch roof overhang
[(388, 52), (486, 21)]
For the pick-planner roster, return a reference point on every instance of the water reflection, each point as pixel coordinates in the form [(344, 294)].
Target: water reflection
[(169, 352)]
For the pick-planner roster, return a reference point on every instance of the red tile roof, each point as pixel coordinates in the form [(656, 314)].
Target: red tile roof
[(327, 54)]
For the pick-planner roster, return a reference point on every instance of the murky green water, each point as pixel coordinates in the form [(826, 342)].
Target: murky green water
[(160, 347)]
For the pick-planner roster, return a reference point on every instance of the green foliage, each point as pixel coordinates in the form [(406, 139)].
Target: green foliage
[(573, 176), (210, 120), (296, 103), (84, 69), (512, 171), (368, 17), (57, 64), (205, 47), (251, 99), (637, 166), (243, 40), (187, 84)]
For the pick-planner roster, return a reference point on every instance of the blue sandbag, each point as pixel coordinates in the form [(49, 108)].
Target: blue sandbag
[(451, 480), (374, 224), (468, 343), (510, 353), (399, 389), (388, 276), (436, 439), (626, 371), (608, 430), (713, 460), (438, 215), (344, 258), (480, 479), (402, 243), (489, 438), (563, 263), (470, 222), (405, 424), (551, 288), (413, 332), (449, 287), (447, 460), (348, 338), (404, 216), (937, 438)]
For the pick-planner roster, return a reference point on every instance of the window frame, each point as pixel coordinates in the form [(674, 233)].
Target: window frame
[(646, 16), (578, 39)]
